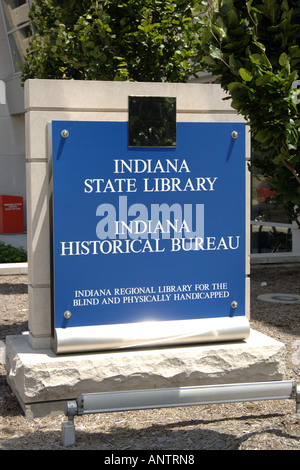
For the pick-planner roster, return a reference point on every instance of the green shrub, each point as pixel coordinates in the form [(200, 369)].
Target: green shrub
[(149, 40), (252, 48), (11, 254)]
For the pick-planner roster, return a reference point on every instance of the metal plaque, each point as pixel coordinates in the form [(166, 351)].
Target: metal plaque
[(148, 243)]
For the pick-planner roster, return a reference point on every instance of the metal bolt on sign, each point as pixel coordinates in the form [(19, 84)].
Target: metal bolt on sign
[(64, 133)]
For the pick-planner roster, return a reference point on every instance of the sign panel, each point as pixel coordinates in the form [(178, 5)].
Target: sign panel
[(147, 234)]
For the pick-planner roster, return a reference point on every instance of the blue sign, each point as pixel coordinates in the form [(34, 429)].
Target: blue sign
[(143, 234)]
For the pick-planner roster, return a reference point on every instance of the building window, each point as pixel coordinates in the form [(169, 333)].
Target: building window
[(17, 29), (271, 229)]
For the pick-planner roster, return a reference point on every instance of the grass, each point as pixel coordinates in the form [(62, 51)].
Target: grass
[(11, 254)]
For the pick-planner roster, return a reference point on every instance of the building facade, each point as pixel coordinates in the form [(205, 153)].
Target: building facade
[(274, 237), (14, 31)]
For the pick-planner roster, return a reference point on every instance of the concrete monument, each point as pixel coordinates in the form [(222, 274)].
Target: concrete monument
[(138, 239)]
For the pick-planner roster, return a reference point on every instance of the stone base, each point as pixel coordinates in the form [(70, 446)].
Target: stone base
[(42, 381)]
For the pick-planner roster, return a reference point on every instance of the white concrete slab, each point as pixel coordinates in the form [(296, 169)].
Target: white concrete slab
[(43, 381)]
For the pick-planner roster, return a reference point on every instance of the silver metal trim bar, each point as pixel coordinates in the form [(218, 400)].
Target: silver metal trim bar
[(129, 400), (183, 396), (150, 334)]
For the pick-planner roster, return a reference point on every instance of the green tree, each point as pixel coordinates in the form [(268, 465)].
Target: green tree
[(140, 40), (252, 47)]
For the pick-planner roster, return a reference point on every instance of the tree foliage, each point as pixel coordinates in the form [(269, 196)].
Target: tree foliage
[(146, 40), (252, 48)]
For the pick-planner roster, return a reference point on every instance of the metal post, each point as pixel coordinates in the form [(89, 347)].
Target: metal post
[(68, 432), (68, 427)]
